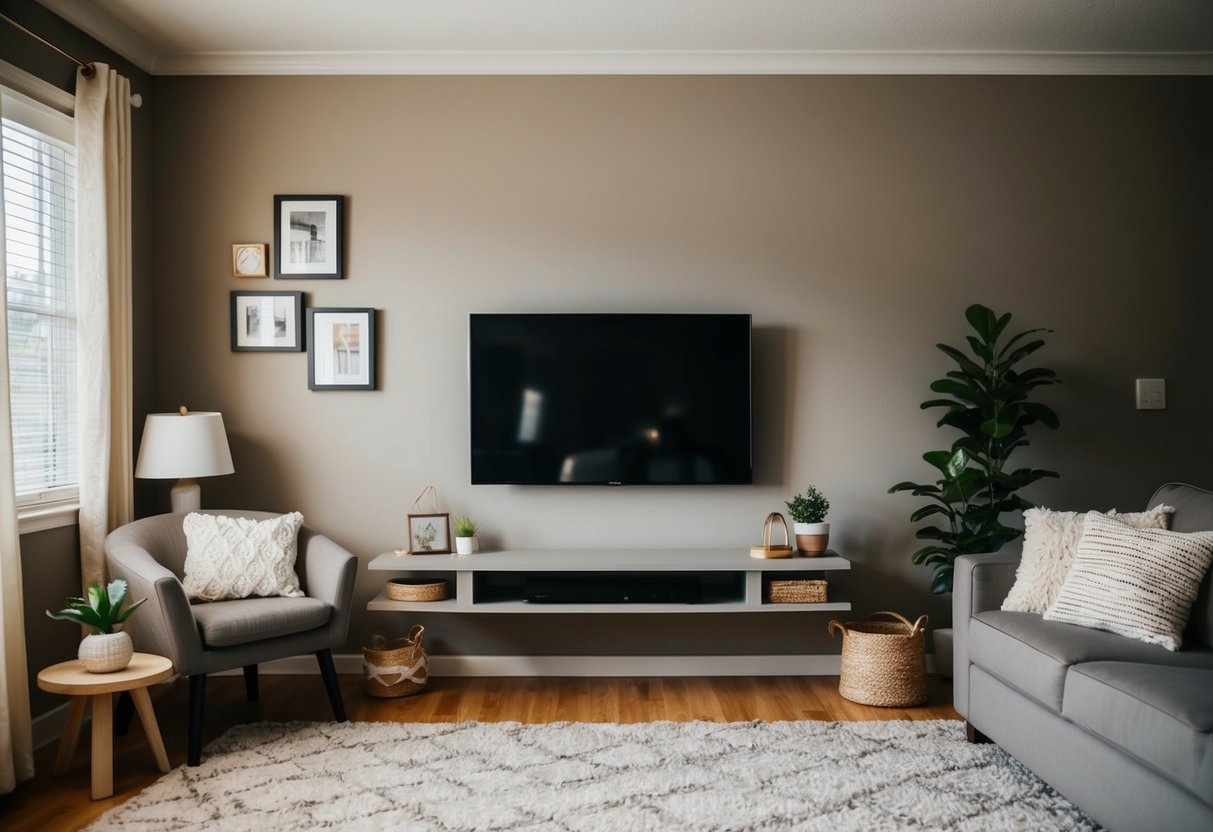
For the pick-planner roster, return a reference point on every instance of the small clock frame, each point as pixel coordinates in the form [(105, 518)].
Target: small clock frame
[(248, 260)]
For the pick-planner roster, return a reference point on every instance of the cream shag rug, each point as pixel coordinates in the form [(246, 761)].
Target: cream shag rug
[(585, 776)]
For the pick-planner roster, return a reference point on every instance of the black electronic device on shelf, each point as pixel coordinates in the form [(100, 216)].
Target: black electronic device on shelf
[(597, 589)]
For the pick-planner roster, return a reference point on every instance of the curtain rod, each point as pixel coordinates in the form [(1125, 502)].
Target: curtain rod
[(88, 70)]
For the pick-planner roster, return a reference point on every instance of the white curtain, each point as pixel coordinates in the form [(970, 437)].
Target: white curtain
[(103, 277), (16, 740)]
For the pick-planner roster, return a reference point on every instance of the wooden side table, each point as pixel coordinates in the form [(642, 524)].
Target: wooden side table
[(72, 679)]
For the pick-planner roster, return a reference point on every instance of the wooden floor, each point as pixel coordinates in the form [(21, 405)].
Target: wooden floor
[(48, 804)]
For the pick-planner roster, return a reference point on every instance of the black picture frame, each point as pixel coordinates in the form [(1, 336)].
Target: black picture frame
[(348, 365), (250, 332), (321, 257)]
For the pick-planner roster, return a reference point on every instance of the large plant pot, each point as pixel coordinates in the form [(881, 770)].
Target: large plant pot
[(942, 639), (106, 652), (812, 539)]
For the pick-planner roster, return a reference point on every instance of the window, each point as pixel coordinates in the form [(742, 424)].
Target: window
[(39, 164)]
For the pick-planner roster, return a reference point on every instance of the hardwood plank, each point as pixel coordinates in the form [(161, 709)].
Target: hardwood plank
[(47, 804)]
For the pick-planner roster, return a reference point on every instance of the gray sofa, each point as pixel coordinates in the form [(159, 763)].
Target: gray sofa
[(1120, 727)]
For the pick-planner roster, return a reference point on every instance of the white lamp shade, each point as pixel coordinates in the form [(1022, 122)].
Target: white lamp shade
[(176, 446)]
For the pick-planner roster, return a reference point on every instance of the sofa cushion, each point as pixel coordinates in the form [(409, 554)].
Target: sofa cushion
[(1193, 513), (228, 623), (1033, 655), (1160, 715)]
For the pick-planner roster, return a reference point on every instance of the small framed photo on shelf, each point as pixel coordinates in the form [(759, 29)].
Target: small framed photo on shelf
[(340, 349), (309, 238), (267, 321), (248, 260), (429, 534)]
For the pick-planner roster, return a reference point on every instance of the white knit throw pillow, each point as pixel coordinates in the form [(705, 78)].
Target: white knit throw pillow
[(236, 557), (1050, 539), (1138, 583)]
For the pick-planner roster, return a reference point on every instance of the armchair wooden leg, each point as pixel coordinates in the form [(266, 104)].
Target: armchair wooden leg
[(974, 736), (250, 683), (124, 713), (197, 707), (329, 672)]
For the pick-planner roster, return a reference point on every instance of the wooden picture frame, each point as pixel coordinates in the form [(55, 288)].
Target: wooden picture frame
[(340, 348), (267, 321), (248, 260), (309, 237), (429, 534)]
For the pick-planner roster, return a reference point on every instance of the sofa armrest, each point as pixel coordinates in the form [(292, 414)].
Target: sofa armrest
[(165, 624), (979, 583), (329, 571)]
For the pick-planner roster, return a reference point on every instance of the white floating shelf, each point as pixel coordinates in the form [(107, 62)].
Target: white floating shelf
[(381, 603), (606, 560)]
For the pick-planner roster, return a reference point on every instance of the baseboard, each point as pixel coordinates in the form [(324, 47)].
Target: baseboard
[(48, 727), (351, 663)]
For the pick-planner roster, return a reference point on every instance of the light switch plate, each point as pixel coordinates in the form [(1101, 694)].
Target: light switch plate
[(1151, 394)]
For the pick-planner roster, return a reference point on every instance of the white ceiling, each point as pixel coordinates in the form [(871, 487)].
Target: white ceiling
[(662, 36)]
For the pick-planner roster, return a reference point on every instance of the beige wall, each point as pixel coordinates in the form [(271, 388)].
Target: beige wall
[(854, 217)]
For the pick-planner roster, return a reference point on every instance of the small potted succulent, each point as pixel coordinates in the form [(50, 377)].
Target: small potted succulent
[(466, 542), (808, 510), (108, 649)]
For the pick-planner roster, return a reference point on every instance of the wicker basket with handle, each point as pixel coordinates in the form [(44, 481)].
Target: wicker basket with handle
[(398, 668), (883, 662)]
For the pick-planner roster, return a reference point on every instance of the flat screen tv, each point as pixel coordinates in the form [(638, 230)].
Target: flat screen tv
[(597, 399)]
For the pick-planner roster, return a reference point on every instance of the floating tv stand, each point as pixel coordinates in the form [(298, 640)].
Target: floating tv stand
[(493, 582)]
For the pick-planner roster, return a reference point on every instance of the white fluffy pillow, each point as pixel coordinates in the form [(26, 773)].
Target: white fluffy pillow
[(235, 557), (1050, 539), (1138, 583)]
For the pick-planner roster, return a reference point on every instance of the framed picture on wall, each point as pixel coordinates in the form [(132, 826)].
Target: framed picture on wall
[(248, 260), (341, 349), (429, 534), (267, 321), (309, 238)]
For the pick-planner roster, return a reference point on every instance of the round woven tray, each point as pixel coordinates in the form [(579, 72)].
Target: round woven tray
[(416, 589)]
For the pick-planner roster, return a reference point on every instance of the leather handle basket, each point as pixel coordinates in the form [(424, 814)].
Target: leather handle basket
[(397, 668), (883, 662), (773, 550)]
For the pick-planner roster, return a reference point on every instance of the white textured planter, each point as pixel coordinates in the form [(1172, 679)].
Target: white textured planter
[(812, 539), (942, 639), (467, 545), (106, 652)]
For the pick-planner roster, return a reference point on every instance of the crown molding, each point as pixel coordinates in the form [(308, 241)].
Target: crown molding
[(683, 63), (103, 26)]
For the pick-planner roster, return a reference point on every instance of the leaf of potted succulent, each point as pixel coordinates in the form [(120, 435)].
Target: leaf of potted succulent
[(808, 510), (107, 650), (466, 541)]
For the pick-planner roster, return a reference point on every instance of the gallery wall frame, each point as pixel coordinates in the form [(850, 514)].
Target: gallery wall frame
[(309, 237), (267, 321), (341, 348)]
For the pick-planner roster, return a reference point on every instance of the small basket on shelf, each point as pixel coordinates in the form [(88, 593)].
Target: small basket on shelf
[(417, 589), (794, 591)]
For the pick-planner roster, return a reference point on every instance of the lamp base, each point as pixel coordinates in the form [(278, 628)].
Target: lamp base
[(186, 495)]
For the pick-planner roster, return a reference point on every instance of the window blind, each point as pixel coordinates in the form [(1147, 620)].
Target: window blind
[(39, 219)]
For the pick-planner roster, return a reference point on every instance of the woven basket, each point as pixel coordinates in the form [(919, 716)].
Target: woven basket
[(416, 589), (795, 591), (883, 662), (398, 668)]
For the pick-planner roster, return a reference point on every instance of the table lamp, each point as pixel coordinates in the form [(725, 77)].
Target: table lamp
[(184, 446)]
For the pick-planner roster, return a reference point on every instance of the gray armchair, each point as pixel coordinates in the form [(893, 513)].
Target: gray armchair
[(222, 635)]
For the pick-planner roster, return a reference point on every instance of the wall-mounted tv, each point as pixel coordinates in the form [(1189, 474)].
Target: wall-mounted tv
[(599, 399)]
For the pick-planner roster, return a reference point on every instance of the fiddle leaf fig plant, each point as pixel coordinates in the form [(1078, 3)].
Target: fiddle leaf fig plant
[(988, 402), (101, 609)]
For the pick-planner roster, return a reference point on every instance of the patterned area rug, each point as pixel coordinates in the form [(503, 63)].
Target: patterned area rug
[(586, 776)]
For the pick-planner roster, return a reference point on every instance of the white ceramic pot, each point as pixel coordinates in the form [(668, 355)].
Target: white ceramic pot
[(811, 538), (943, 651), (106, 652), (467, 545)]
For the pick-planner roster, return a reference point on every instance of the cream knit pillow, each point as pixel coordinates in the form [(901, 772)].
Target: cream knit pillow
[(1138, 583), (235, 557), (1050, 539)]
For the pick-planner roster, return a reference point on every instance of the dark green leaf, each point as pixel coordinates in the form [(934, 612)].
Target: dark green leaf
[(980, 349), (1017, 338), (126, 613), (967, 364), (981, 318), (1019, 354), (941, 583), (995, 428)]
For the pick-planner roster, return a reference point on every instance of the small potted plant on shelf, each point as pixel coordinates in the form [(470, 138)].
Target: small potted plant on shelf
[(808, 510), (466, 542), (107, 650)]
